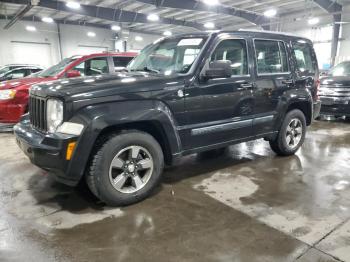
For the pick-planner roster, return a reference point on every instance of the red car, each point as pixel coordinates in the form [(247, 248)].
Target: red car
[(14, 93)]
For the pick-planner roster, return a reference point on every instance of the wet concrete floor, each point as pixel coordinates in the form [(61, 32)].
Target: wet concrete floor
[(243, 205)]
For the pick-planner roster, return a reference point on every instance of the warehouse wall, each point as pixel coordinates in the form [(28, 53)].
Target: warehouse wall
[(17, 45)]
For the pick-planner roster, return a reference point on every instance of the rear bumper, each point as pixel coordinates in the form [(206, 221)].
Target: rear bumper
[(46, 151), (336, 107), (316, 109), (11, 113)]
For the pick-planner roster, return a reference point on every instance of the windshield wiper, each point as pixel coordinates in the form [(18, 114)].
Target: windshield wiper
[(147, 69)]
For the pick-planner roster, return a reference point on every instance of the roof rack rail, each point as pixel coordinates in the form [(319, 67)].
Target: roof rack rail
[(266, 31)]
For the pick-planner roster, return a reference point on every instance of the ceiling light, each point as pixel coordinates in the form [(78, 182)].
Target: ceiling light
[(30, 28), (313, 21), (167, 33), (47, 19), (91, 34), (138, 38), (209, 25), (116, 28), (153, 17), (73, 5), (270, 13), (211, 2)]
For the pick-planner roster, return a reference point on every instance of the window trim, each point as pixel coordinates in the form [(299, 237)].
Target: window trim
[(231, 37), (256, 58)]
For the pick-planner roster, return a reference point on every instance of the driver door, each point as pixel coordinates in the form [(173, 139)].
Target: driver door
[(221, 109)]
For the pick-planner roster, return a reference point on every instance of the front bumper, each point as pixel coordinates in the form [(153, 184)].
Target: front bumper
[(47, 151), (335, 106), (11, 113)]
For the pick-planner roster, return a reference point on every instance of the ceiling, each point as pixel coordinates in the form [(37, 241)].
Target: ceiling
[(295, 8)]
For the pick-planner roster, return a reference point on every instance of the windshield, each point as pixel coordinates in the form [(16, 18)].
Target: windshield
[(169, 55), (342, 69), (54, 70)]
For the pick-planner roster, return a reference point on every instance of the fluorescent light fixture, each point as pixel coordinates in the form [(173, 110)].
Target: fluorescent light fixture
[(153, 17), (47, 19), (270, 13), (73, 5), (167, 33), (116, 28), (211, 2), (91, 34), (209, 25), (313, 21), (30, 28), (138, 38)]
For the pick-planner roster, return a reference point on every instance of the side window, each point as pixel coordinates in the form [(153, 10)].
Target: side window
[(80, 68), (121, 61), (17, 73), (235, 51), (271, 57), (97, 66), (304, 58)]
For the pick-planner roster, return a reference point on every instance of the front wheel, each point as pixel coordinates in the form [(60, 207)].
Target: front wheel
[(291, 135), (126, 168)]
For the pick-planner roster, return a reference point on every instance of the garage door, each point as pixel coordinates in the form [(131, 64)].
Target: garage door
[(31, 53)]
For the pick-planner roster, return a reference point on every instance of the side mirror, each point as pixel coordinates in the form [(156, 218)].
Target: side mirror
[(219, 69), (73, 73)]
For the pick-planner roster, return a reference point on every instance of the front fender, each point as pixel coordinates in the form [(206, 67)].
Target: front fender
[(98, 117)]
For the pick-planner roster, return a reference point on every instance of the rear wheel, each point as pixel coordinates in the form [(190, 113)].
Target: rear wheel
[(126, 168), (291, 135)]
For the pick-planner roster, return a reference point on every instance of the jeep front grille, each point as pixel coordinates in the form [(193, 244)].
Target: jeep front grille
[(37, 112)]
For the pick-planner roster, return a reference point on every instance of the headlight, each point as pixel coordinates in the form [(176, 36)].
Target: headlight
[(54, 114), (7, 94)]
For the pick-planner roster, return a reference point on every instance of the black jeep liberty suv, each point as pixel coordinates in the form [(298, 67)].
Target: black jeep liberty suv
[(182, 95)]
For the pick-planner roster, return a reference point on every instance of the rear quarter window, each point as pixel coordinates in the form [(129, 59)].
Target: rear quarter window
[(304, 56)]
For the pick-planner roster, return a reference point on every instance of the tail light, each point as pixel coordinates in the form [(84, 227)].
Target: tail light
[(318, 83)]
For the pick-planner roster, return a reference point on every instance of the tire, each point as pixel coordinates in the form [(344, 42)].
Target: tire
[(136, 169), (290, 138)]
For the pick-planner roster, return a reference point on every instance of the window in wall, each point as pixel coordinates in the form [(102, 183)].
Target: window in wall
[(304, 58), (235, 51), (271, 57)]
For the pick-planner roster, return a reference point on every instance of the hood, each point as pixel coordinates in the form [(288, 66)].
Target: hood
[(105, 85), (336, 81), (22, 82)]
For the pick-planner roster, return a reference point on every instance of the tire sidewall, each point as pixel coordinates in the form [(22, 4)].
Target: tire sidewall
[(282, 135), (105, 189)]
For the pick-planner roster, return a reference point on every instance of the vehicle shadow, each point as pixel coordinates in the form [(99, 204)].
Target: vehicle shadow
[(80, 198)]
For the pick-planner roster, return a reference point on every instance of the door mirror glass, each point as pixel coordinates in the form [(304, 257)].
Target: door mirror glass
[(73, 73), (219, 69)]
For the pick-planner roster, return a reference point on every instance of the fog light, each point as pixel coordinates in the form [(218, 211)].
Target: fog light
[(70, 150)]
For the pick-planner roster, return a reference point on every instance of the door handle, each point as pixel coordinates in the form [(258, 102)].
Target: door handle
[(288, 81), (246, 85)]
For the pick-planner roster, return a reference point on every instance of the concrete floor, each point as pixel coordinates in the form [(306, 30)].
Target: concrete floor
[(244, 205)]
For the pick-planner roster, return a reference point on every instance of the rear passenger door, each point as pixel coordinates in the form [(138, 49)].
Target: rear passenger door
[(273, 77)]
